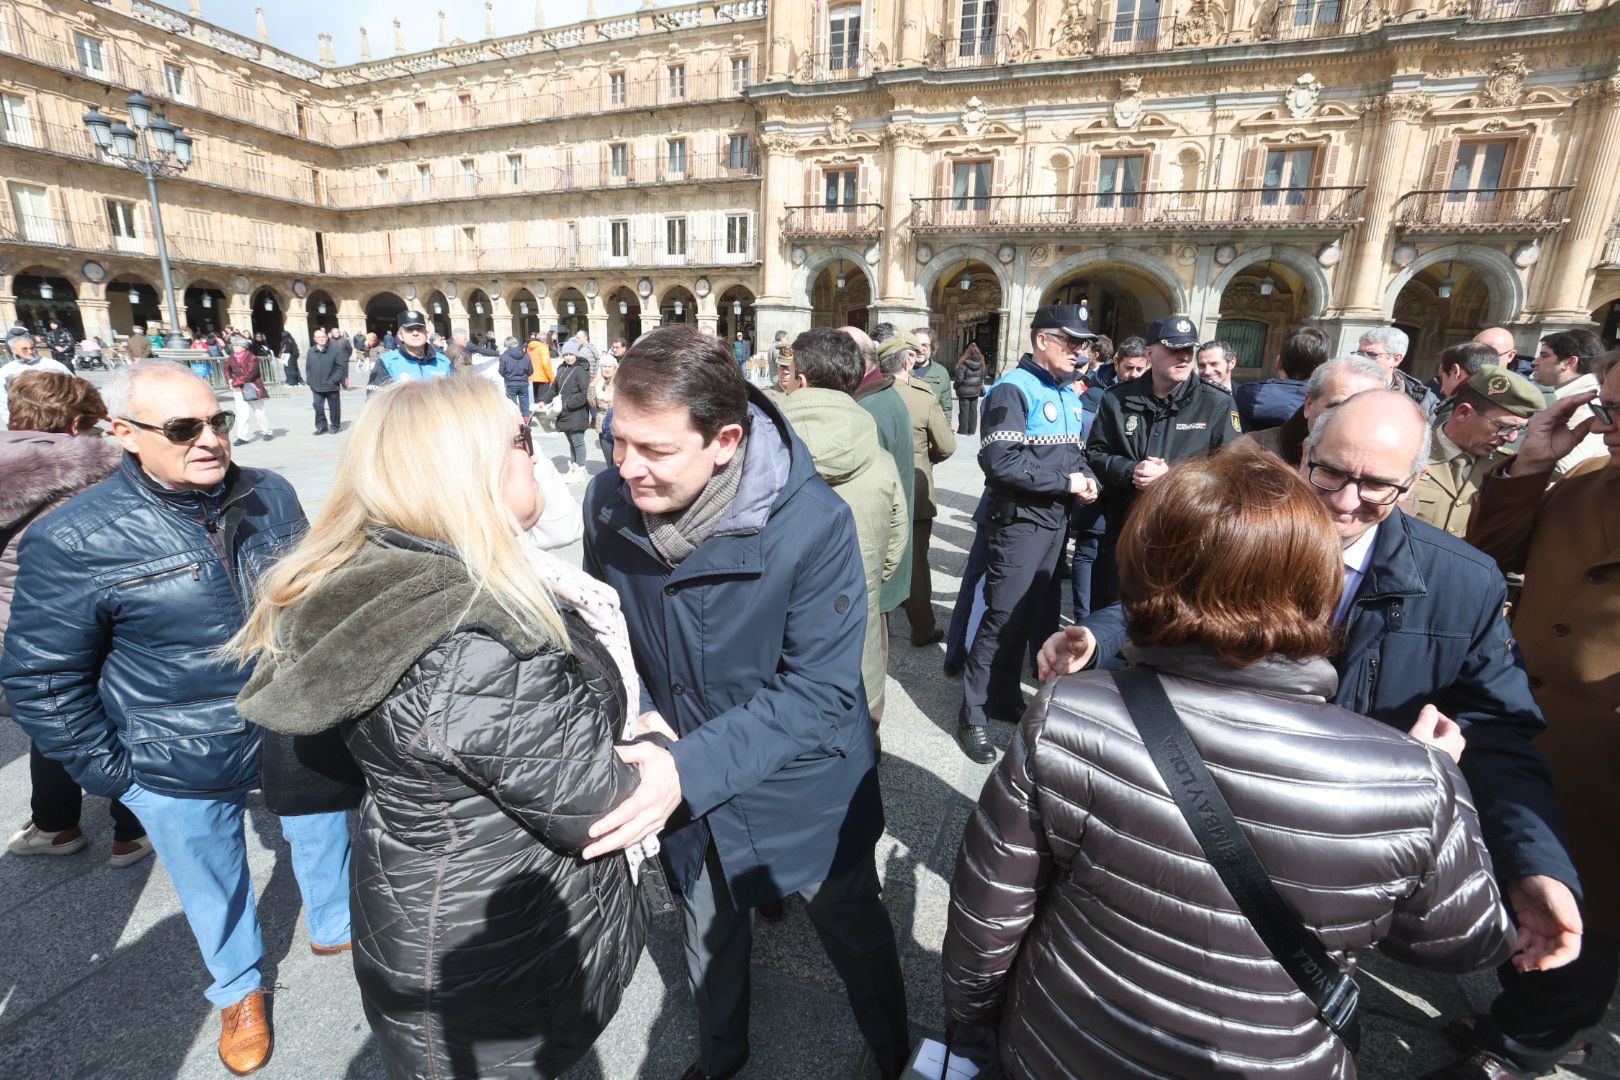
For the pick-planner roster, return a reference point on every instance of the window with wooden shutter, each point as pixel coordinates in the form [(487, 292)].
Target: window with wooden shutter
[(970, 184)]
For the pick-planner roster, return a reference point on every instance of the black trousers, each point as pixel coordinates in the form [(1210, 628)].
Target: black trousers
[(853, 925), (1022, 601), (1540, 1015), (967, 415), (328, 403), (57, 801)]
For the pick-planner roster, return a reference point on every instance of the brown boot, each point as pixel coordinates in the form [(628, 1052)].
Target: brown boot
[(244, 1035)]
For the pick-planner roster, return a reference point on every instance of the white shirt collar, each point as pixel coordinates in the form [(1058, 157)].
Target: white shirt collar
[(1359, 554)]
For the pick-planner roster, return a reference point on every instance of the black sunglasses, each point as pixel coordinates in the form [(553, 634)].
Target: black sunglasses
[(187, 429), (524, 440)]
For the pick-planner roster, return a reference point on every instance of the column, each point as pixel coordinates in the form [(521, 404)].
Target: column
[(896, 299), (545, 310), (239, 313), (708, 313), (96, 315), (456, 309), (295, 318), (775, 308), (1569, 262), (1396, 114), (597, 321), (351, 317), (8, 304)]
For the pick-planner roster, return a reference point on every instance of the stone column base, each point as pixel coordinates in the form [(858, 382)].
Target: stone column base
[(773, 315)]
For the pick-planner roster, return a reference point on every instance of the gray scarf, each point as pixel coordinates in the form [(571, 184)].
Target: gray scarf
[(675, 536)]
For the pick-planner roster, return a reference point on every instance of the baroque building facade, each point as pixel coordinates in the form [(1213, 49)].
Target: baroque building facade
[(1441, 165)]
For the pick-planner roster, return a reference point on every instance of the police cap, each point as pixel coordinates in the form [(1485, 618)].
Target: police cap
[(1173, 332), (412, 318), (1064, 318)]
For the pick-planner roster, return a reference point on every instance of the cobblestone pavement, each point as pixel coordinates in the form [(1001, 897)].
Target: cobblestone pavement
[(99, 975)]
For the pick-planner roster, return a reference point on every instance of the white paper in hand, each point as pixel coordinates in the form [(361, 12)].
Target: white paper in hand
[(932, 1061)]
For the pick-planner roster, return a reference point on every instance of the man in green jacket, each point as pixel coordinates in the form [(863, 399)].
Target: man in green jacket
[(936, 376)]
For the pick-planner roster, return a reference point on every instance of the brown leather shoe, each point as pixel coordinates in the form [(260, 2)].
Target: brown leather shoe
[(330, 950), (245, 1040)]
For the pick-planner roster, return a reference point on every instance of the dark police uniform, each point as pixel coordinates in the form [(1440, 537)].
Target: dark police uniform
[(1031, 442), (1133, 425)]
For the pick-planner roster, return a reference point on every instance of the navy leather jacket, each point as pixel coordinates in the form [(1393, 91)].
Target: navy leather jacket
[(123, 596), (1426, 626)]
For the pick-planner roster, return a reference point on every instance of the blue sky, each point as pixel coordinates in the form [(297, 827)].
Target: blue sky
[(294, 24)]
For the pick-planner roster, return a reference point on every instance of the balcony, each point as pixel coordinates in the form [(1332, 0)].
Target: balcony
[(857, 221), (850, 63), (1609, 253), (1309, 19), (1483, 210), (983, 50), (1125, 37), (35, 230), (586, 258), (1485, 10), (1313, 208)]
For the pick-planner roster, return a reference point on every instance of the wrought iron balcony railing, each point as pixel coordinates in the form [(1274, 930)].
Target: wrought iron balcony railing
[(981, 50), (1264, 208), (41, 230), (1123, 37), (851, 222), (1517, 209), (1306, 19), (1522, 9), (542, 258), (853, 62)]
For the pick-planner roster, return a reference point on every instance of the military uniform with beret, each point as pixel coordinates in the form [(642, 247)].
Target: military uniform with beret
[(1444, 495)]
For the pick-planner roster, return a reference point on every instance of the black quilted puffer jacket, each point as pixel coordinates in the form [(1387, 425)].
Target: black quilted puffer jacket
[(483, 945), (1087, 926)]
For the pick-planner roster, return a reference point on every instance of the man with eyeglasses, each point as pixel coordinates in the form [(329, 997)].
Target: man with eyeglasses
[(416, 357), (1422, 624), (1485, 415), (1387, 346), (25, 357), (111, 664)]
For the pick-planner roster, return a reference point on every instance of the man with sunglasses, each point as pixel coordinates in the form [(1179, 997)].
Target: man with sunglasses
[(111, 663), (416, 358), (1482, 417)]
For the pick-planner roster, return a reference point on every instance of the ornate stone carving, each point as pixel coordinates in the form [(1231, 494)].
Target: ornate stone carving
[(1073, 34), (1302, 96), (1199, 26), (1017, 45), (1127, 108), (973, 117), (839, 128), (905, 134), (777, 142), (1504, 84), (1411, 106)]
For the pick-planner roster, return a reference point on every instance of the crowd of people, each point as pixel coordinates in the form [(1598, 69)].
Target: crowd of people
[(1300, 586)]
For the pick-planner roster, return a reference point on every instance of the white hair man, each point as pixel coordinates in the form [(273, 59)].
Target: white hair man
[(1387, 345), (1330, 384)]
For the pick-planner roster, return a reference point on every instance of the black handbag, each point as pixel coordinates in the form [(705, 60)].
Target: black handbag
[(309, 774), (1228, 850)]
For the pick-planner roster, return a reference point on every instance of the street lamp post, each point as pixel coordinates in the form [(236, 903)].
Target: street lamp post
[(153, 148)]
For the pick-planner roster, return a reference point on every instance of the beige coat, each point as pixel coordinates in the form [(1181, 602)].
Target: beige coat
[(931, 441), (1444, 495), (1566, 540)]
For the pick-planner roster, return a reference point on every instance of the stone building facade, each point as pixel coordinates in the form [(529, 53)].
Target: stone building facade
[(1441, 165)]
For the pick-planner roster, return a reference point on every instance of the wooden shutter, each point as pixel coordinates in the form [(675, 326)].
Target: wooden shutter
[(1251, 178), (1526, 157), (1327, 176)]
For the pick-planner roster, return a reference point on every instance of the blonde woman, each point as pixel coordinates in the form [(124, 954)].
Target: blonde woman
[(483, 721)]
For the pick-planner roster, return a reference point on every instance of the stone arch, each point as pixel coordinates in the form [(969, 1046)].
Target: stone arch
[(953, 257), (805, 275), (1504, 284), (1317, 289), (1151, 267)]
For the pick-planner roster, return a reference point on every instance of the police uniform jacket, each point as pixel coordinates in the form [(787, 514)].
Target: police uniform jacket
[(1133, 425), (1030, 444)]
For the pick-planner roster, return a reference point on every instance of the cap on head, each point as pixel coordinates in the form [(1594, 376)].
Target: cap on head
[(1512, 392), (413, 319), (18, 332), (1064, 318), (897, 342), (1173, 332)]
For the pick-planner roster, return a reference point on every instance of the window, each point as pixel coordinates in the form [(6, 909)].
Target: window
[(200, 226), (424, 179), (616, 88), (382, 183), (421, 115), (15, 125), (301, 120), (970, 185), (264, 236), (1317, 12), (32, 205), (1136, 19), (675, 236), (257, 176), (619, 161), (978, 25), (736, 234), (841, 187), (89, 50), (675, 159), (677, 81), (317, 192), (121, 223), (1288, 174), (620, 233), (739, 153), (377, 121), (174, 77), (320, 253), (466, 114), (467, 238), (514, 169), (1478, 171), (741, 73), (844, 38), (1119, 182), (469, 174)]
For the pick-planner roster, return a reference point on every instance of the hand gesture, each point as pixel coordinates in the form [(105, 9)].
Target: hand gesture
[(1549, 436), (1549, 923), (1083, 486), (647, 808), (1065, 652), (1440, 731), (1148, 470)]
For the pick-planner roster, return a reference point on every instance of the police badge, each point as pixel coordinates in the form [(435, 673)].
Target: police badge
[(1237, 425), (1050, 411), (1130, 423)]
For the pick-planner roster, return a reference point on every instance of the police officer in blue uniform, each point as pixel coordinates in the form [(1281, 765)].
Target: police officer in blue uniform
[(1033, 455)]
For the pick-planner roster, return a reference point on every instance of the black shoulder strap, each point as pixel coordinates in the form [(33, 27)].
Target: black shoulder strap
[(1292, 944)]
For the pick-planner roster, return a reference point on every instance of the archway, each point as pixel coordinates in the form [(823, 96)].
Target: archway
[(268, 317), (624, 315), (480, 316), (736, 310), (1260, 306), (965, 309), (383, 312), (1503, 282), (678, 306), (573, 314), (204, 308), (1440, 305), (133, 302), (43, 297), (1607, 318), (1119, 300), (321, 311), (525, 314), (438, 314), (841, 295)]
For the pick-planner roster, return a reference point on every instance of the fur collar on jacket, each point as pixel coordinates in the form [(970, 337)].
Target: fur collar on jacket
[(42, 468), (388, 605)]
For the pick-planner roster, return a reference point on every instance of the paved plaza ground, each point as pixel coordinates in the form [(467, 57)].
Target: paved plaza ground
[(100, 977)]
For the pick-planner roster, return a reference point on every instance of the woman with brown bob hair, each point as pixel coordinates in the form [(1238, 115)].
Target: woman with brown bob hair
[(1089, 935)]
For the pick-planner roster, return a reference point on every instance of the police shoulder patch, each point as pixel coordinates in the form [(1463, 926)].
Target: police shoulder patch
[(1050, 411), (1237, 424)]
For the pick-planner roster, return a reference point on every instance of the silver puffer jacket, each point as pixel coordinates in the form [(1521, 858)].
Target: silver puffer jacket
[(1086, 923)]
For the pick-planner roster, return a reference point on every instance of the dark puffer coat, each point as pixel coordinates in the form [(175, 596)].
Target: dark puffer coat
[(969, 376), (573, 390), (1086, 922), (483, 945)]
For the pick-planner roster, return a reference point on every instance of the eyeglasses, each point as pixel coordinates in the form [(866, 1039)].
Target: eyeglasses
[(1604, 413), (523, 440), (187, 429), (1371, 492), (413, 329), (1508, 429), (1371, 354)]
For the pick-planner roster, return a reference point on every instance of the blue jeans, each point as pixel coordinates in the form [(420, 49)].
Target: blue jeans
[(201, 844), (519, 396)]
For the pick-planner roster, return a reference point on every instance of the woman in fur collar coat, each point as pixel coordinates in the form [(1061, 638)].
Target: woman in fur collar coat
[(45, 464)]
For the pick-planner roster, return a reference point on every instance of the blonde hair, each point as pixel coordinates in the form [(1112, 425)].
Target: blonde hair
[(429, 459)]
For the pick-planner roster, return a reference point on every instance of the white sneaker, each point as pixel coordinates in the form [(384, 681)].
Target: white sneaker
[(129, 852), (32, 840)]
